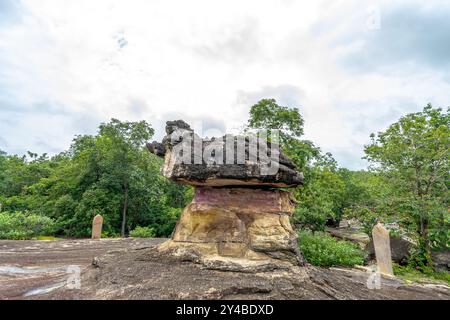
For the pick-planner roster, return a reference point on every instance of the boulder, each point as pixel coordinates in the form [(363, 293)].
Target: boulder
[(349, 234), (400, 249), (225, 161), (350, 224), (441, 261)]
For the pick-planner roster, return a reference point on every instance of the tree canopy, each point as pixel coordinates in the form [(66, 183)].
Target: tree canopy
[(414, 154), (110, 173)]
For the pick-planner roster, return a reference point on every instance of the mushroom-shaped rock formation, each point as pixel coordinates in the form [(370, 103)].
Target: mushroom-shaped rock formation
[(226, 161), (238, 219)]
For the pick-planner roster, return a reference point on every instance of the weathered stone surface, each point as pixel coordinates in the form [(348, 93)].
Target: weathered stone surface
[(350, 224), (201, 168), (441, 261), (97, 223), (400, 249), (382, 246), (240, 223), (352, 235)]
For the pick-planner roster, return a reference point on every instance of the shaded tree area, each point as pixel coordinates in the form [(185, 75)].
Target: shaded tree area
[(111, 174), (414, 155), (320, 199)]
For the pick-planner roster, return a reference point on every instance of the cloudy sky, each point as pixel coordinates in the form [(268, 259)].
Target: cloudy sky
[(351, 67)]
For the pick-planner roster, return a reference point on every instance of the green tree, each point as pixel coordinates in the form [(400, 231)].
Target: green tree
[(319, 198), (267, 114), (126, 140), (368, 197), (413, 154), (110, 173)]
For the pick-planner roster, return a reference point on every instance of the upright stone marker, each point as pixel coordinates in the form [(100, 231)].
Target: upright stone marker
[(97, 227), (382, 246)]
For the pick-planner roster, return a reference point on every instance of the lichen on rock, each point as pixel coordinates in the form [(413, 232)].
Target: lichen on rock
[(225, 161)]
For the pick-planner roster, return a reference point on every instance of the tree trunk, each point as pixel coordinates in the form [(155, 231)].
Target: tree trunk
[(424, 234), (124, 211), (424, 241)]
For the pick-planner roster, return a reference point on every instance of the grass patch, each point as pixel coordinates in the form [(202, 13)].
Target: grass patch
[(47, 238), (323, 250), (410, 274), (143, 232)]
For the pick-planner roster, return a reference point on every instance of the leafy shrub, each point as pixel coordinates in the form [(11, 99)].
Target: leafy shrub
[(108, 234), (23, 225), (420, 259), (311, 218), (142, 232), (323, 250), (167, 221), (440, 237)]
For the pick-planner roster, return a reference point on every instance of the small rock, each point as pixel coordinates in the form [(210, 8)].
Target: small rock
[(96, 262), (441, 261)]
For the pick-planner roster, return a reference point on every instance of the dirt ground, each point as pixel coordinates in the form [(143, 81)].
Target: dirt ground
[(133, 269)]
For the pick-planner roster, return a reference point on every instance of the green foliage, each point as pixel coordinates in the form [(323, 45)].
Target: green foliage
[(320, 199), (165, 224), (110, 173), (23, 225), (440, 236), (267, 114), (312, 217), (407, 182), (410, 273), (142, 232), (325, 251), (368, 218), (420, 259), (413, 154), (321, 196)]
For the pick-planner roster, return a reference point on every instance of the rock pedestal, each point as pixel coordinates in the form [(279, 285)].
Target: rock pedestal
[(237, 219), (239, 223)]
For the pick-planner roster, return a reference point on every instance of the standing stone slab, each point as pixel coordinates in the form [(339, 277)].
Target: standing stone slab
[(382, 249), (97, 227)]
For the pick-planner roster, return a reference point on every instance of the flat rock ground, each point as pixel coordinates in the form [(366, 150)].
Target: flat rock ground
[(133, 269)]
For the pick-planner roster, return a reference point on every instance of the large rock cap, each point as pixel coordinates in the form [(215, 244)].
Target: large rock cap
[(225, 161)]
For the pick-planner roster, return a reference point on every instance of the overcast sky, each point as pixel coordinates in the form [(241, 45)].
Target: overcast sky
[(351, 68)]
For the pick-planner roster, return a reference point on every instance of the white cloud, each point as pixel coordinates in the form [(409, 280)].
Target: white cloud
[(94, 60)]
